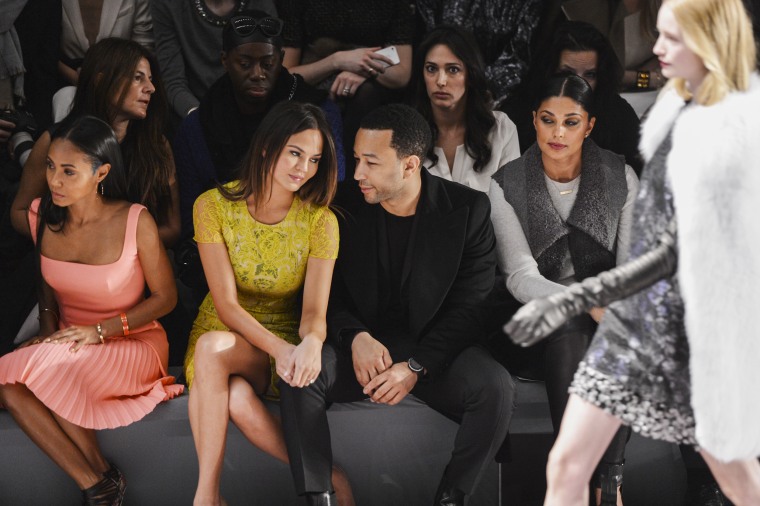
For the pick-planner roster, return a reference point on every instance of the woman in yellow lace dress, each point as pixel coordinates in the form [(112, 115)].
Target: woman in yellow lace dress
[(264, 241)]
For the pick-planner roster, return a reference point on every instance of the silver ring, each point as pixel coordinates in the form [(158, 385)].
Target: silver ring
[(346, 91)]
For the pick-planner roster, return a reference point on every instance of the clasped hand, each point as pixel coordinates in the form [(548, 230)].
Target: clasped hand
[(299, 366), (384, 381)]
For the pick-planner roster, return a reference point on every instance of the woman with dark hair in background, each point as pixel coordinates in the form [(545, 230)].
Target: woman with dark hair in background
[(100, 359), (580, 48), (268, 244), (562, 212), (118, 83), (449, 89)]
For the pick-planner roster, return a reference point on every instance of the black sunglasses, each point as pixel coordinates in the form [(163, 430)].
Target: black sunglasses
[(246, 25)]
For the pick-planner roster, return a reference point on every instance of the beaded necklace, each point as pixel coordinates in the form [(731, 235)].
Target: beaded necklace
[(210, 17)]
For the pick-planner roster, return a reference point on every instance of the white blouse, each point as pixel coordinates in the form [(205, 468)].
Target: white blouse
[(504, 148)]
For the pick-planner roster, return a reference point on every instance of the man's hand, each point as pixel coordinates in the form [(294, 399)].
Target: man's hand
[(369, 356), (392, 385)]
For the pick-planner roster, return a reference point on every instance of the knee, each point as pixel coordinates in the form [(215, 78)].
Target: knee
[(209, 347), (487, 388), (492, 381), (9, 394), (563, 471)]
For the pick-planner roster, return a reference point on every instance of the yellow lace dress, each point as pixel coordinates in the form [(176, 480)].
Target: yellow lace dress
[(269, 262)]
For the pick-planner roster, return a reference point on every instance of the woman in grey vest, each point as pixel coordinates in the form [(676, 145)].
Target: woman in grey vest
[(562, 212)]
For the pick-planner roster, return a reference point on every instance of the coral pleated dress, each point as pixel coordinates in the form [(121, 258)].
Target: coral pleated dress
[(100, 386)]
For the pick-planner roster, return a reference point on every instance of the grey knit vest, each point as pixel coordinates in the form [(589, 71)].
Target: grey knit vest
[(590, 232)]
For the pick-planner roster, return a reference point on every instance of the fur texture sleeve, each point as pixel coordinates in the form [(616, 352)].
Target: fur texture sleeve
[(714, 170)]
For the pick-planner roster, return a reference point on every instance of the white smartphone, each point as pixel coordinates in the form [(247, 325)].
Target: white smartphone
[(390, 53)]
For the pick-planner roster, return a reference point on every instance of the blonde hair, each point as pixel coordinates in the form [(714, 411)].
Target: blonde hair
[(720, 33)]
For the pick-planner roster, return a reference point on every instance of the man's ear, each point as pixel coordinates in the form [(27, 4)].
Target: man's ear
[(412, 165)]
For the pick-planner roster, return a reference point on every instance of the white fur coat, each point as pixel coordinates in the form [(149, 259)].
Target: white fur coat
[(714, 170)]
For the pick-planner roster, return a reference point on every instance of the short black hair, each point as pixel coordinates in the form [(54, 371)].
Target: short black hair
[(410, 131)]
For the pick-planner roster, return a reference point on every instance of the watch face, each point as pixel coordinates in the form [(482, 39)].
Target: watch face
[(415, 366)]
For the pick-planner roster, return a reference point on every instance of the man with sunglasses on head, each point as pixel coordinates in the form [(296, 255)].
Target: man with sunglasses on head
[(212, 140), (188, 40)]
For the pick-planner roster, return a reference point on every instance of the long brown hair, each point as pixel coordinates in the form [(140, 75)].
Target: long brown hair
[(479, 117), (283, 121), (107, 69)]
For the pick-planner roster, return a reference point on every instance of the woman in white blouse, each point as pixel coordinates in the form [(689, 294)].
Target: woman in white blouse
[(450, 89)]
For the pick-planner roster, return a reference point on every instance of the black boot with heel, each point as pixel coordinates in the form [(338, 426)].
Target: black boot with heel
[(609, 477)]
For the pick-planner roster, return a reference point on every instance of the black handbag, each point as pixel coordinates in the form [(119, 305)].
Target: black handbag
[(189, 266)]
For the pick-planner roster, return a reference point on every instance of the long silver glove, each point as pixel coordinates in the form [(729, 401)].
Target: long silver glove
[(540, 317)]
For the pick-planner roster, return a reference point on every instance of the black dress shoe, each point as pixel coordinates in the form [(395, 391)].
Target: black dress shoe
[(321, 499), (448, 496)]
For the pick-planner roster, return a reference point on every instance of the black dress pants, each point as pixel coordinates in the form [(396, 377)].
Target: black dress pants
[(474, 391)]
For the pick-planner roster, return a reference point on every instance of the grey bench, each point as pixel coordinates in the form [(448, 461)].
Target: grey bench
[(393, 456)]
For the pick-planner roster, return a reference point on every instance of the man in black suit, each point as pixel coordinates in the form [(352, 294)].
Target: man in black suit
[(410, 277)]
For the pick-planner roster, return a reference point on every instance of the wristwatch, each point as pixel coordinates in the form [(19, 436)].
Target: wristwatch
[(415, 367)]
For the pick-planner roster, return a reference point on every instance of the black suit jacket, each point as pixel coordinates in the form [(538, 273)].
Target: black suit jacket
[(450, 274)]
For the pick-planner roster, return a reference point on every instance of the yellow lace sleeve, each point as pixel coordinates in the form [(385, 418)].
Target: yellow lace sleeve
[(207, 218), (323, 241)]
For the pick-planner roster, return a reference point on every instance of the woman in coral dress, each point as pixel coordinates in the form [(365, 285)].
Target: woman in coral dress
[(100, 360)]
